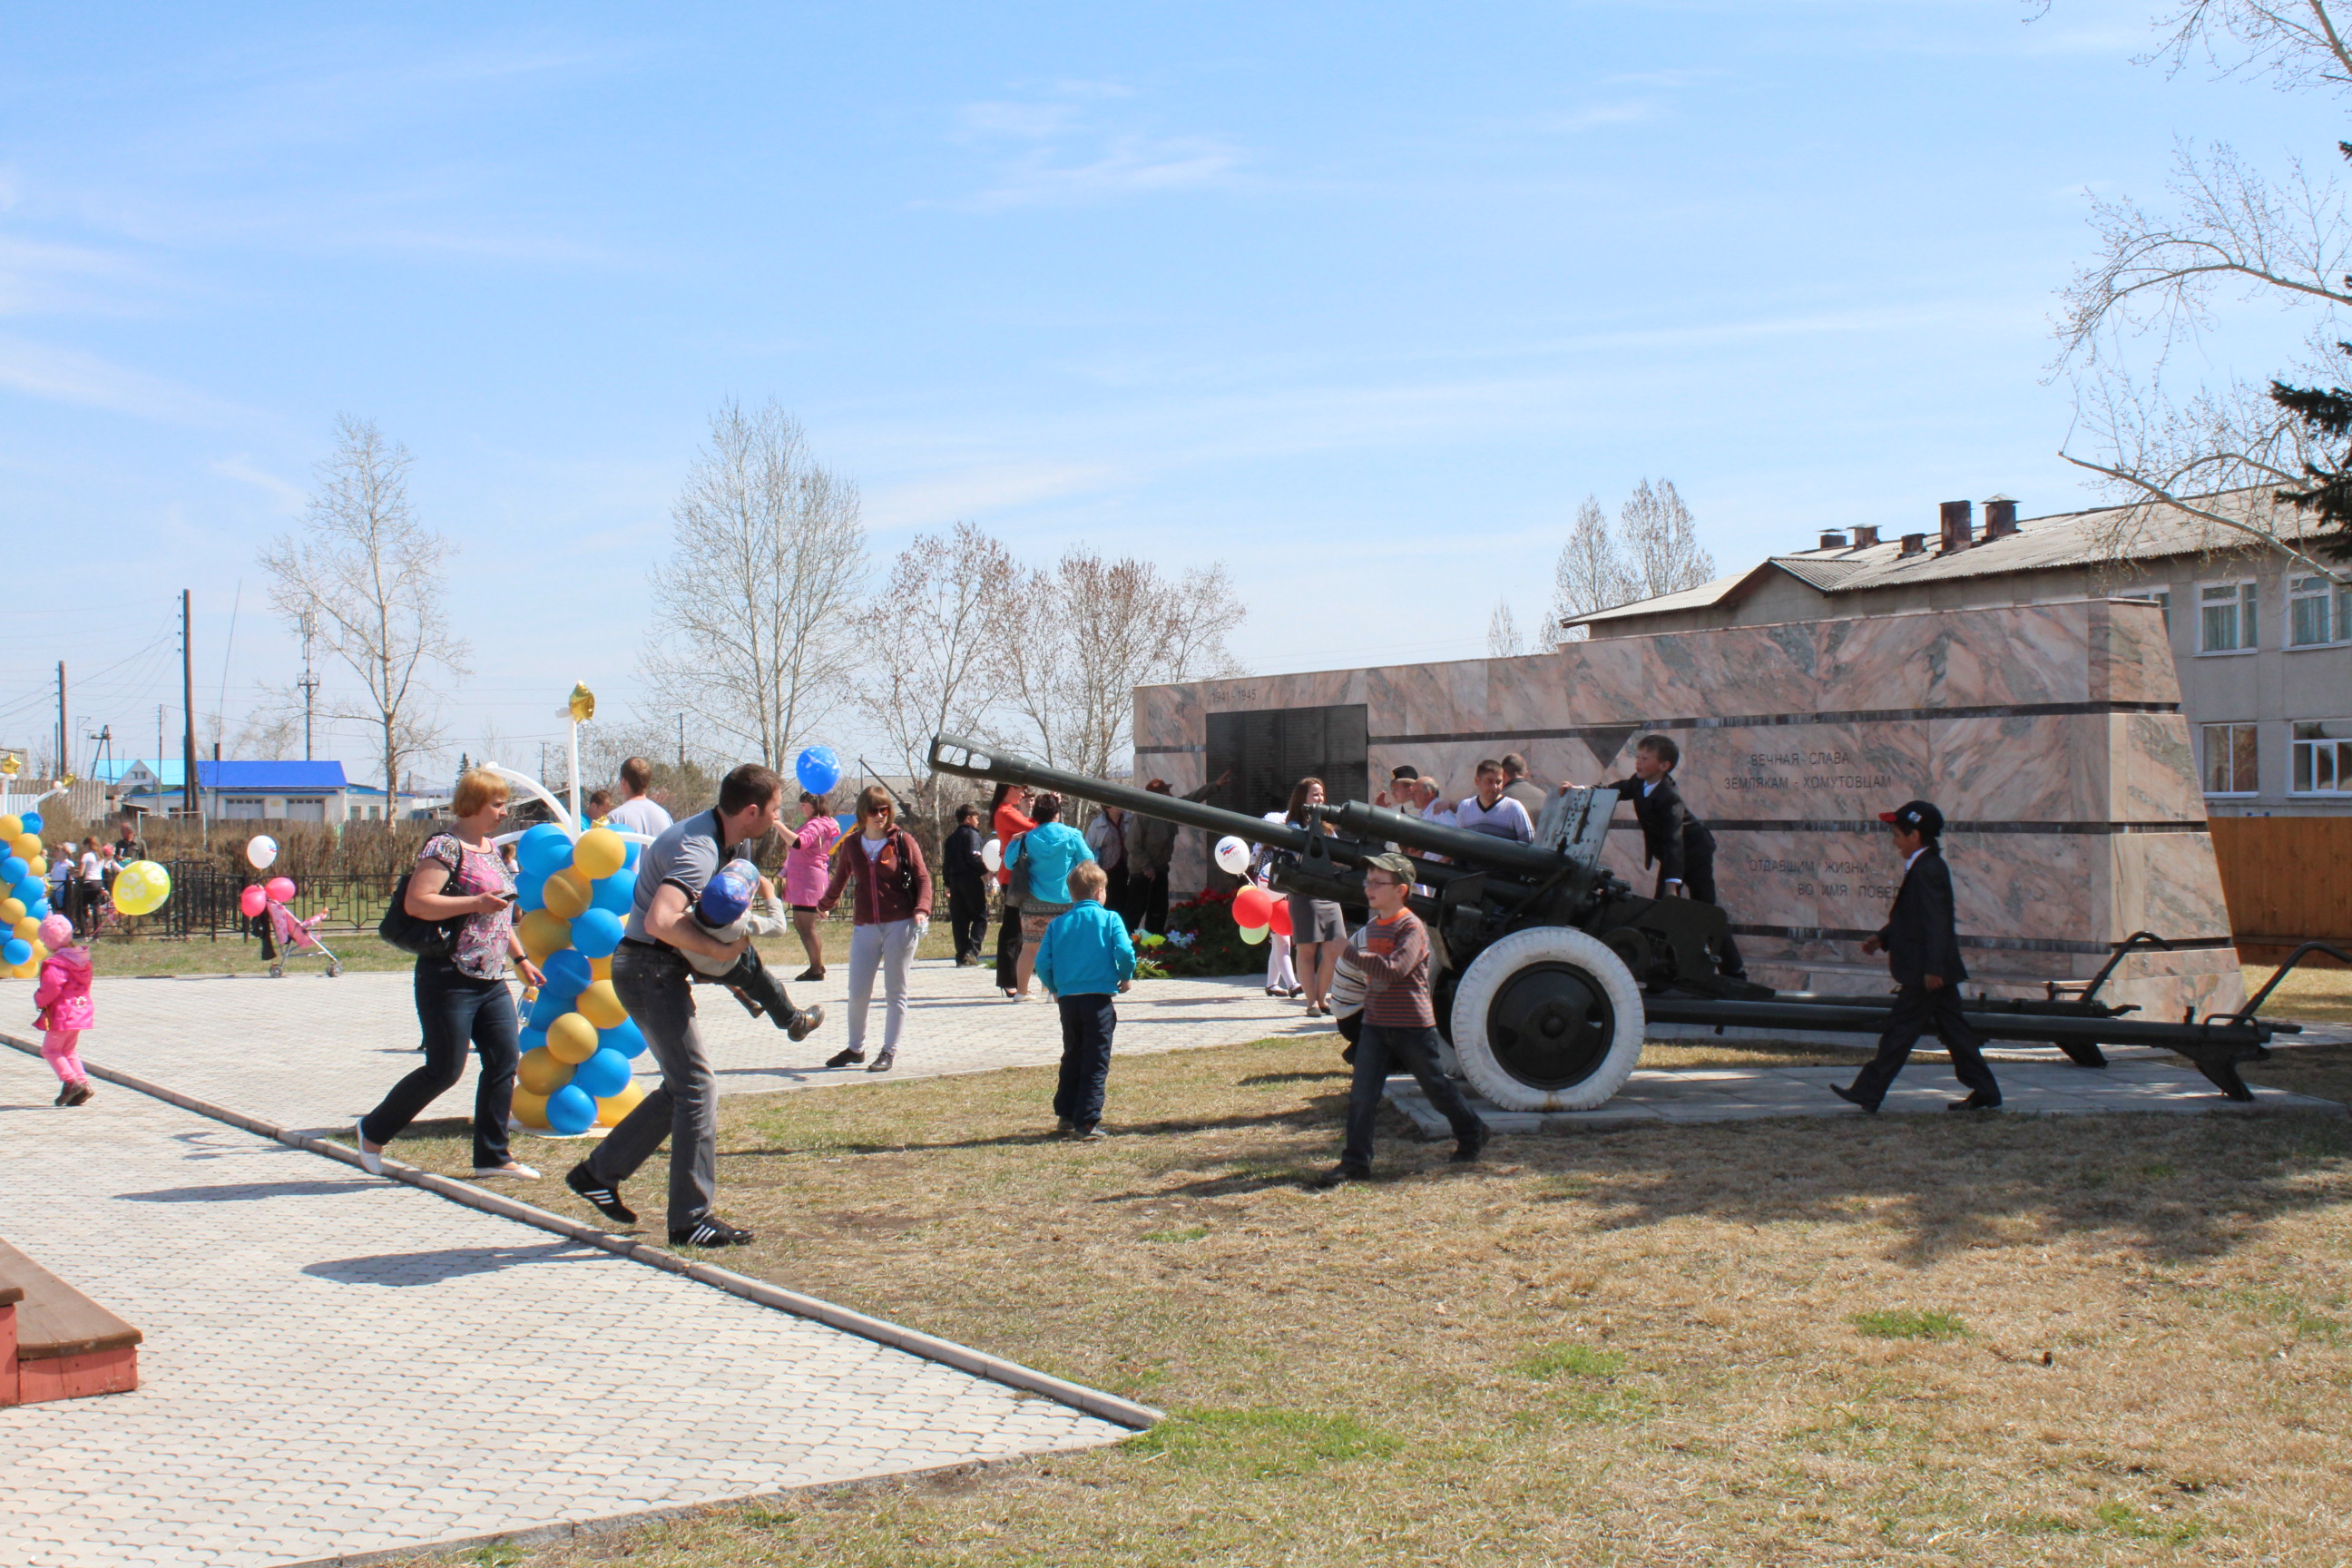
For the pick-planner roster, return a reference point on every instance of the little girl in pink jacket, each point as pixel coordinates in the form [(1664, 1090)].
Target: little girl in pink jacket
[(63, 997)]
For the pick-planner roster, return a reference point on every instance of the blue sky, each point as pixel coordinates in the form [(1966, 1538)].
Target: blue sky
[(1359, 302)]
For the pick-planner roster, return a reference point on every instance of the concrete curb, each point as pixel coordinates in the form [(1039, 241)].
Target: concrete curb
[(929, 1347)]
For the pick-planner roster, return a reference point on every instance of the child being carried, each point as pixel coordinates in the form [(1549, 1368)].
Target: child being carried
[(736, 904)]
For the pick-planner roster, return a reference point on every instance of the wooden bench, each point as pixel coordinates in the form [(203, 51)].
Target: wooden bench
[(54, 1342)]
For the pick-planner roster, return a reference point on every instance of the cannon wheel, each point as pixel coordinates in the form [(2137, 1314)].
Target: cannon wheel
[(1548, 1019)]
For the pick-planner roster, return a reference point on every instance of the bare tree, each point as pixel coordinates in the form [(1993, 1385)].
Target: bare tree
[(1094, 629), (2230, 232), (1591, 572), (270, 733), (1659, 543), (375, 580), (938, 634), (768, 559), (1503, 639)]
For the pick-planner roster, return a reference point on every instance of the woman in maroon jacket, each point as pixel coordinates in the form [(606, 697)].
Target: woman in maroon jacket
[(892, 907)]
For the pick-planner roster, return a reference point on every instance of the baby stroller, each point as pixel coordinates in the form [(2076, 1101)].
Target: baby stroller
[(285, 937)]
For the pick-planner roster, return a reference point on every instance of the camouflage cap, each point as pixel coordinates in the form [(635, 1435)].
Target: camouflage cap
[(1394, 863)]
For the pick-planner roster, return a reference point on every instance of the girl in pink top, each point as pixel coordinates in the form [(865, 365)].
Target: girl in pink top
[(63, 997), (808, 870)]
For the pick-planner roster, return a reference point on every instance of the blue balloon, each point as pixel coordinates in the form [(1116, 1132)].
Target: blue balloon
[(819, 768), (27, 889), (570, 1110), (551, 1004), (616, 893), (531, 892), (38, 908), (625, 1039), (603, 1075), (594, 932), (14, 869), (544, 850), (635, 849), (566, 972), (17, 949), (532, 1039), (32, 821)]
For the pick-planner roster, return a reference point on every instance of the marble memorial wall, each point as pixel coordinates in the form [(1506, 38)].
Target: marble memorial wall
[(2051, 736)]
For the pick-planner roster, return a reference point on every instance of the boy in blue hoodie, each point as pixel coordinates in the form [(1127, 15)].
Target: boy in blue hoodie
[(1085, 957)]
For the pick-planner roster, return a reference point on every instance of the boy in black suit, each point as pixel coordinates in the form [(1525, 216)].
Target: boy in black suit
[(1922, 945), (1673, 840)]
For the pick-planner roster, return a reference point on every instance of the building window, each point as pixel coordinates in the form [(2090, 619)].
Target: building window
[(2318, 612), (2228, 624), (2231, 759), (2163, 597), (2323, 756)]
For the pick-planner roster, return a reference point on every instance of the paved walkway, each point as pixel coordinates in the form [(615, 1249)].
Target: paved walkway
[(313, 1053), (335, 1364), (2028, 1088)]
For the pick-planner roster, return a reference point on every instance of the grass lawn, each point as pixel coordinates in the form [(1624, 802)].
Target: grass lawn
[(1929, 1340)]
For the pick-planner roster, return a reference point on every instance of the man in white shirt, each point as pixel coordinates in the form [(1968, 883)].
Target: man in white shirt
[(637, 812), (1492, 812)]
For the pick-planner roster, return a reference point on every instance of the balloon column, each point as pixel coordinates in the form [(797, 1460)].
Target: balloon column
[(26, 903), (579, 1040)]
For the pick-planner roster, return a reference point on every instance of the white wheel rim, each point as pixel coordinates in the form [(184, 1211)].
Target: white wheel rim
[(1598, 975)]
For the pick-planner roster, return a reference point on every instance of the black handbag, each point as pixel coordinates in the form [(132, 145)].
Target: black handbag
[(426, 938)]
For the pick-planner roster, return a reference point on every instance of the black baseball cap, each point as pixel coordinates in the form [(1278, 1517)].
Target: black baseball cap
[(1915, 817), (1404, 770)]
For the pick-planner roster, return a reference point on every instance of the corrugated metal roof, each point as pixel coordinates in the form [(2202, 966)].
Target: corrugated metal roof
[(250, 778), (2061, 540)]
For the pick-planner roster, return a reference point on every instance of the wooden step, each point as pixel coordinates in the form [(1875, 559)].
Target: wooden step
[(54, 1342)]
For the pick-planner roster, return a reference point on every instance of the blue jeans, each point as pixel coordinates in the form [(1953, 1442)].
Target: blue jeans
[(1377, 1048), (452, 1007), (1087, 1022)]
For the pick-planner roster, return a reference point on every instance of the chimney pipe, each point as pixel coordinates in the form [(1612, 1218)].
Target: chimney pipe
[(1832, 539), (2001, 518), (1865, 536), (1957, 525), (1913, 544)]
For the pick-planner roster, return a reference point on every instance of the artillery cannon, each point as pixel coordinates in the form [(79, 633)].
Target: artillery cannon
[(1550, 968)]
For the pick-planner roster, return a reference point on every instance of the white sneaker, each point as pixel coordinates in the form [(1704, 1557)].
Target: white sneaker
[(511, 1173), (372, 1162)]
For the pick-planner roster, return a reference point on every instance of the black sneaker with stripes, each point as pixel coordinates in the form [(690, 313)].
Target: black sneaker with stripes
[(709, 1231), (606, 1199)]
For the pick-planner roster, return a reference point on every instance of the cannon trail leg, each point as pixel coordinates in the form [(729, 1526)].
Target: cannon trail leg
[(2083, 1053), (2224, 1076)]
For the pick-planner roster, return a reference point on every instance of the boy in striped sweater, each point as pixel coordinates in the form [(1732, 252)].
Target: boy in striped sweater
[(1400, 1027)]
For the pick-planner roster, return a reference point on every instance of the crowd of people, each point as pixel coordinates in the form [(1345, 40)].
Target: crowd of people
[(1070, 906)]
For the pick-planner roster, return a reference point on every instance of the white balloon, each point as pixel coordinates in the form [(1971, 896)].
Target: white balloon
[(1233, 855), (261, 851), (991, 855)]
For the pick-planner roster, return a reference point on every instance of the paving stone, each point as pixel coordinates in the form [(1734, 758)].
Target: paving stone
[(334, 1363)]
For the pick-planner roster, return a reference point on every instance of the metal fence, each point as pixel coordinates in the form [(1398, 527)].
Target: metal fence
[(203, 902)]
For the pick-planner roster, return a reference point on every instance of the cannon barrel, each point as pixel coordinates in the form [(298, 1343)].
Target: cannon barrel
[(976, 760), (1482, 850)]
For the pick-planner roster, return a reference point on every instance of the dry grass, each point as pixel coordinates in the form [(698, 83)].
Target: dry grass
[(2118, 1340), (2324, 994)]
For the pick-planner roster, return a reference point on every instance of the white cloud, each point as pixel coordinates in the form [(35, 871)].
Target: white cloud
[(1057, 151), (938, 500), (69, 375), (286, 496)]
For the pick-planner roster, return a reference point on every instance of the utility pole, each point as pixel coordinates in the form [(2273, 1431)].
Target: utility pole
[(309, 681), (65, 733), (681, 742), (187, 708)]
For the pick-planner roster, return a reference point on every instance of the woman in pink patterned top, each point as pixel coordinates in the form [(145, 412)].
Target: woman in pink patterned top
[(808, 869)]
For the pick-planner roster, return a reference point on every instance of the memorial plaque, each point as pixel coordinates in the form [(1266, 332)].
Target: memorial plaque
[(2051, 735)]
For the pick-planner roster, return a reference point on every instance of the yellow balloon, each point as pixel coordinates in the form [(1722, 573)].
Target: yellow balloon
[(567, 896), (600, 969), (12, 909), (23, 844), (25, 927), (572, 1039), (141, 888), (600, 853), (543, 933), (601, 1007), (610, 1110), (11, 826), (40, 956), (540, 1073), (529, 1109), (36, 865)]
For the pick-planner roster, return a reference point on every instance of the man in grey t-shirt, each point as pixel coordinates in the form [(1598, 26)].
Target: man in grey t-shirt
[(651, 977), (637, 812)]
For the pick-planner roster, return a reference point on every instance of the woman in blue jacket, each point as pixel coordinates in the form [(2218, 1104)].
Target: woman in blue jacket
[(1050, 850)]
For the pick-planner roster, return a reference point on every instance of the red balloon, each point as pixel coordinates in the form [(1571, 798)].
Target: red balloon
[(253, 900), (281, 889), (1279, 917), (1253, 906)]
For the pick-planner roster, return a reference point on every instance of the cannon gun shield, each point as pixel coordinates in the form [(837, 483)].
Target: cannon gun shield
[(1547, 1018)]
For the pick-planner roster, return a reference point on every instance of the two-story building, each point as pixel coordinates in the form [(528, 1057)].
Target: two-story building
[(2263, 642)]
